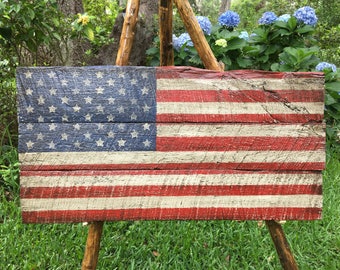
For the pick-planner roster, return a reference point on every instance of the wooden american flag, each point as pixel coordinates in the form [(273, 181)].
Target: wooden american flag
[(127, 143)]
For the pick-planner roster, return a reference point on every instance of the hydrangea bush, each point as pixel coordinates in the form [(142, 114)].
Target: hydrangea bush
[(279, 43)]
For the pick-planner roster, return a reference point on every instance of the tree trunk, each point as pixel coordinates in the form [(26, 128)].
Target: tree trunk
[(225, 5), (145, 31)]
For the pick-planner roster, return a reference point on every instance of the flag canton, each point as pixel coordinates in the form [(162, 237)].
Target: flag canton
[(87, 109)]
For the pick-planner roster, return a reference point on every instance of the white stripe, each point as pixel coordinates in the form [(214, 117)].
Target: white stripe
[(241, 84), (239, 130), (171, 180), (240, 108), (69, 158), (171, 202)]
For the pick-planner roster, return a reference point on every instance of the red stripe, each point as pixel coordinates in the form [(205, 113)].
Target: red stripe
[(159, 190), (174, 214), (238, 143), (240, 118), (256, 166), (24, 173), (239, 96), (186, 72)]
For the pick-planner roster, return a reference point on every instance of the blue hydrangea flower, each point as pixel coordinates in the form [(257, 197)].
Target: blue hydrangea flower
[(324, 65), (268, 18), (306, 15), (244, 35), (205, 24), (181, 40), (283, 18), (229, 19)]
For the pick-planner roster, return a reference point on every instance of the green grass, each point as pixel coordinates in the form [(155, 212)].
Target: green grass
[(173, 244)]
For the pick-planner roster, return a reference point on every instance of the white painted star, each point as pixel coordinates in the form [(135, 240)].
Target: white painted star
[(87, 135), (41, 119), (122, 91), (51, 75), (100, 142), (40, 82), (111, 82), (87, 82), (121, 109), (88, 100), (64, 100), (29, 109), (88, 117), (145, 75), (133, 82), (52, 127), (77, 144), (51, 145), (121, 126), (100, 90), (121, 143), (40, 136), (29, 126), (111, 134), (53, 92), (111, 100), (133, 101), (145, 90), (146, 126), (64, 82), (99, 75), (75, 74), (100, 126), (75, 91), (41, 100), (121, 75), (52, 109), (134, 134), (29, 92), (76, 126), (100, 109), (29, 144), (64, 137), (28, 74), (110, 118), (147, 143), (133, 116), (146, 108), (64, 118), (76, 108)]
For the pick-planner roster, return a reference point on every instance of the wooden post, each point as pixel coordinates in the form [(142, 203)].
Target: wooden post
[(90, 259), (165, 33), (197, 35), (282, 246), (128, 32), (92, 248)]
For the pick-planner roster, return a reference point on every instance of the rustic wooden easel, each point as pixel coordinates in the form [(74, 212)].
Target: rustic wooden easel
[(166, 59)]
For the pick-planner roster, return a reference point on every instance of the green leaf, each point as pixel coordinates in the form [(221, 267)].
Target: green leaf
[(333, 86), (89, 33)]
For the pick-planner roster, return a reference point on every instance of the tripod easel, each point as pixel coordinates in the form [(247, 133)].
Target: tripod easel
[(166, 59)]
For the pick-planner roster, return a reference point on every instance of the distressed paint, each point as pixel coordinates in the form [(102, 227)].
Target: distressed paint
[(129, 143)]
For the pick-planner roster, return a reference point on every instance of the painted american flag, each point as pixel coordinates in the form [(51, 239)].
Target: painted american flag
[(126, 143)]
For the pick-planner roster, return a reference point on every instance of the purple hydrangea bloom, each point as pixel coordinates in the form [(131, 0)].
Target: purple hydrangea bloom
[(181, 40), (229, 19), (306, 15), (284, 18), (268, 18), (205, 24), (324, 65)]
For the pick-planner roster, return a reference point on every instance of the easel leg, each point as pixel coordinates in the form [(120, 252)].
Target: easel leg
[(282, 247), (90, 259)]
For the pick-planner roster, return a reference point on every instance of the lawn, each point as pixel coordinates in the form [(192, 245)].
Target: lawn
[(174, 244)]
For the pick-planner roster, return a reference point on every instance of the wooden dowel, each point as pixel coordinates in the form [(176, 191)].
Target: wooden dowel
[(128, 32), (282, 246), (197, 35), (91, 254), (165, 33)]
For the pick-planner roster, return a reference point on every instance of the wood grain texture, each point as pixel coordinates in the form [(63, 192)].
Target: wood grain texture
[(169, 143)]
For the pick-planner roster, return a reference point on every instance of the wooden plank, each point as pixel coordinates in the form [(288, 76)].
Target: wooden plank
[(165, 33)]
